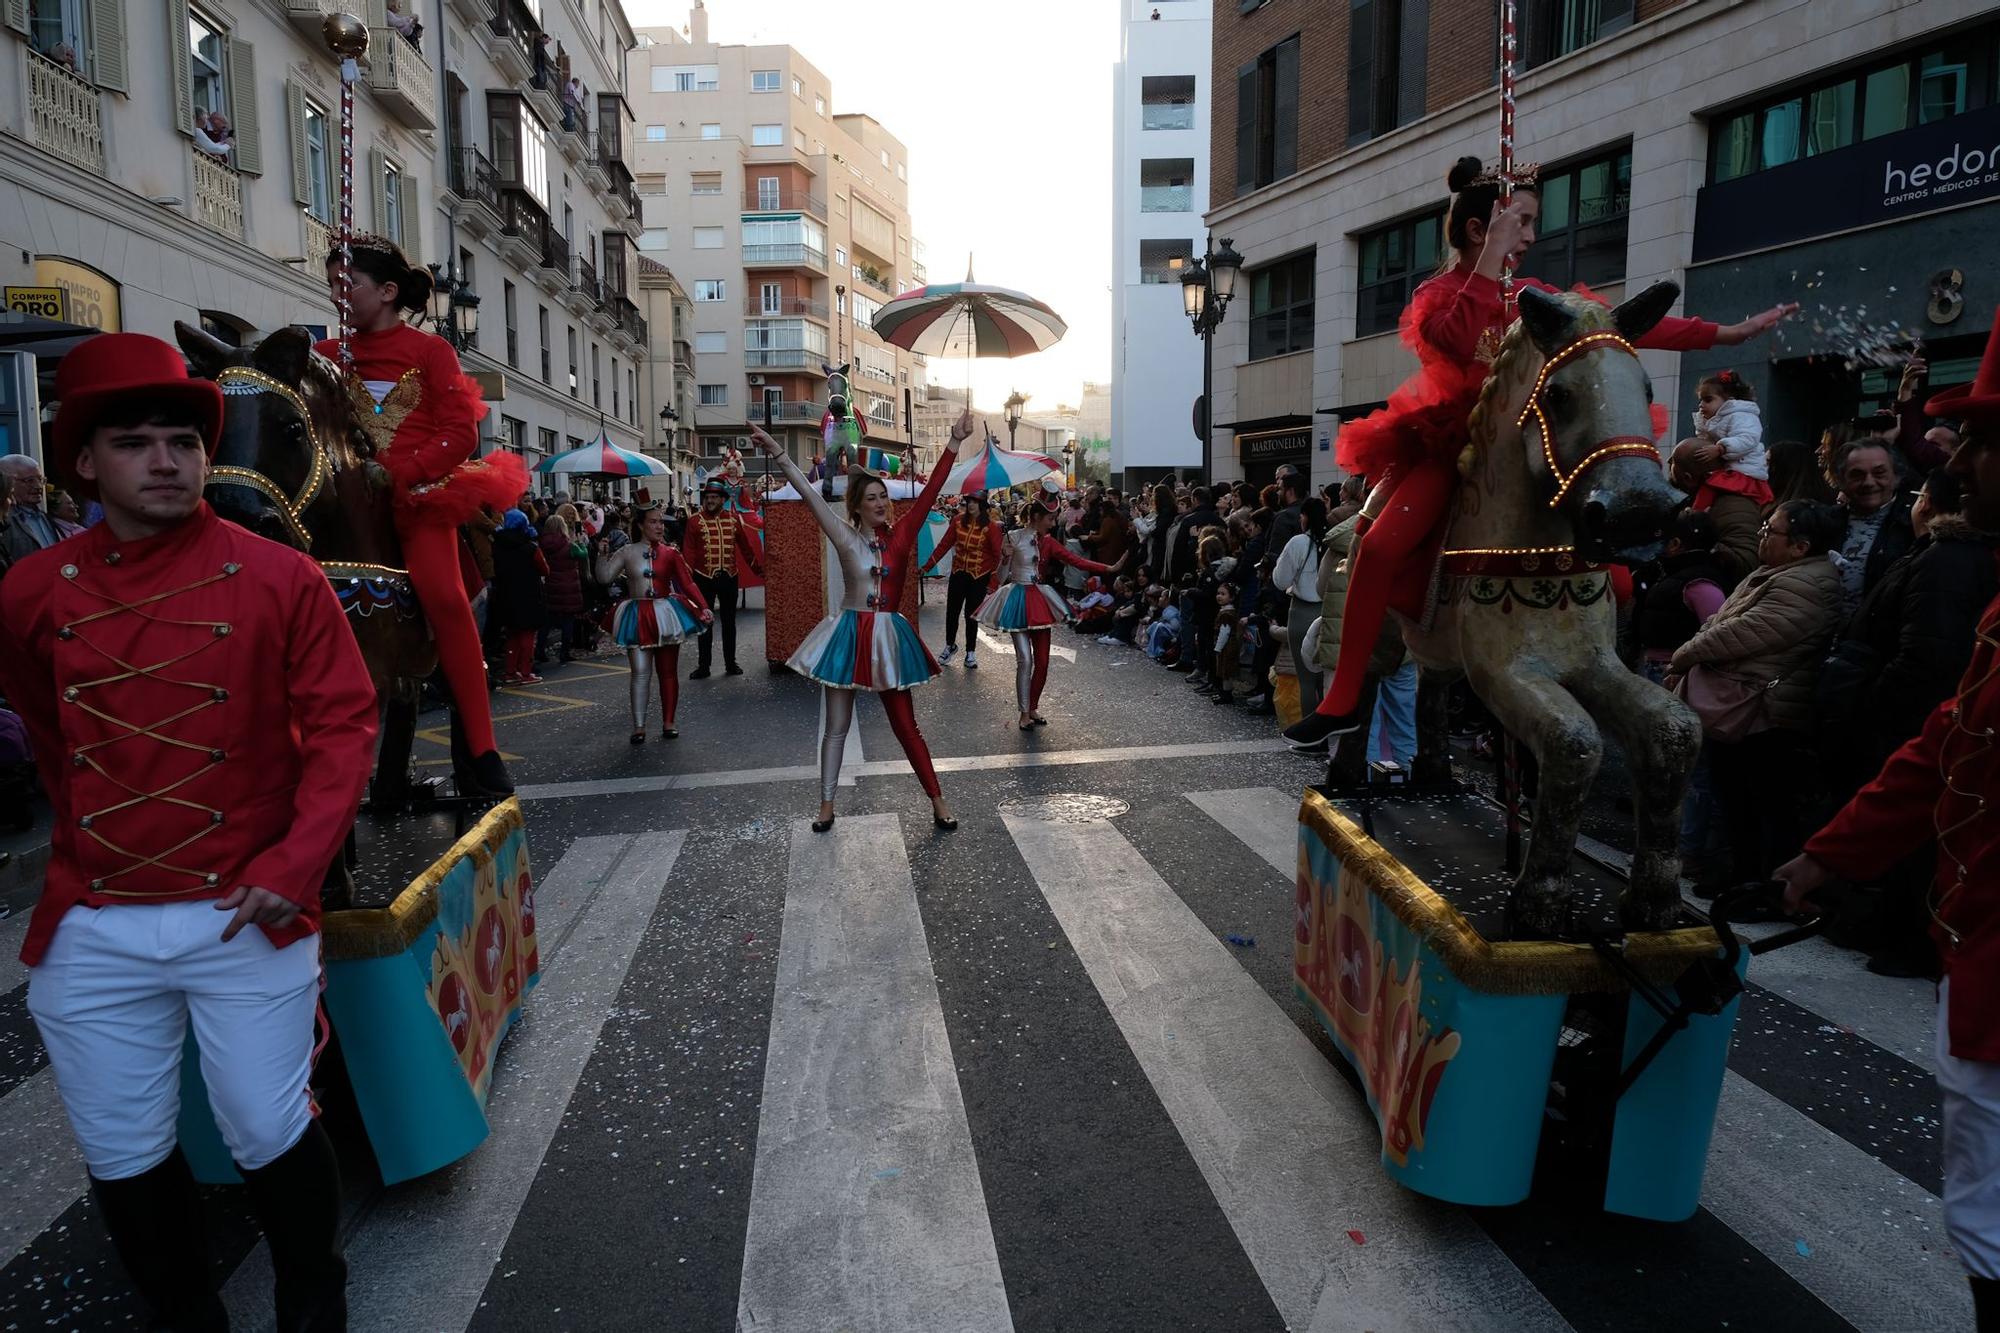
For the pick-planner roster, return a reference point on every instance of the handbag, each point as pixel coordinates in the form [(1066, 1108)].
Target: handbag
[(1730, 706)]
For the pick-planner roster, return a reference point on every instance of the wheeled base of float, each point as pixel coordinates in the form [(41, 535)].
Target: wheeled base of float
[(1483, 1060), (419, 995)]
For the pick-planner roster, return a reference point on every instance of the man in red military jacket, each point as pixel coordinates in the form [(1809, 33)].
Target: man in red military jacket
[(1943, 787), (204, 726), (713, 538)]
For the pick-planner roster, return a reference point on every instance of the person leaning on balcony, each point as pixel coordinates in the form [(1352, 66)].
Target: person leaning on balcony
[(407, 24), (213, 135)]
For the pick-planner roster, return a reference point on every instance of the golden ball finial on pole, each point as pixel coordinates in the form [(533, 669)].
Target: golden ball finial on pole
[(346, 35)]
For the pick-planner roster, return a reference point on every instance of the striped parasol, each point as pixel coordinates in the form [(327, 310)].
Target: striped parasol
[(997, 469), (602, 458), (985, 321)]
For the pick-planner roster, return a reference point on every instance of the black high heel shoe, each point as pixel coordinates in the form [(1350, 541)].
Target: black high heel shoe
[(947, 825), (639, 738), (670, 733), (822, 825)]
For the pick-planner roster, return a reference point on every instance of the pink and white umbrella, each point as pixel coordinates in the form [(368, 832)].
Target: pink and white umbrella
[(995, 469)]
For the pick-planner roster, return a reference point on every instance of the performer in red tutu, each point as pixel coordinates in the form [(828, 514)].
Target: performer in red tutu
[(422, 414), (662, 606), (1026, 608), (1410, 448)]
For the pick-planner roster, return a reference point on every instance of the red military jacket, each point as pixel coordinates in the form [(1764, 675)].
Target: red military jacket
[(200, 715), (711, 544), (974, 548), (1938, 788)]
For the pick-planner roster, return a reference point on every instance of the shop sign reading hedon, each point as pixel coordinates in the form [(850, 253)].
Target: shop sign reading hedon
[(1941, 165)]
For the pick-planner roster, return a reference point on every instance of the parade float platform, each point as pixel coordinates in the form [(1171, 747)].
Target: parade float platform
[(1494, 1067), (421, 985)]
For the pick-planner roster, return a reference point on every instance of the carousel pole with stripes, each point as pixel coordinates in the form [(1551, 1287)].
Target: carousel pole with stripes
[(1507, 53), (347, 37)]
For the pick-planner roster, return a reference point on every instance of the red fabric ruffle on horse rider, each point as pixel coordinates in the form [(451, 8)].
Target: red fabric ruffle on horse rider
[(1453, 324), (434, 409)]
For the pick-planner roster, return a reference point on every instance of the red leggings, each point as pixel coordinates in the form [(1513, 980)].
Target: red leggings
[(520, 659), (903, 721), (431, 553), (1031, 667), (667, 666), (1416, 504)]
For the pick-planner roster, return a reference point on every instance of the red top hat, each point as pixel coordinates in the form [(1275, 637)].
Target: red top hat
[(134, 371), (1979, 400)]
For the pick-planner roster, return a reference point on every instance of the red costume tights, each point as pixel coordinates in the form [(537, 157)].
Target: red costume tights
[(431, 552), (1416, 505), (903, 721), (667, 666)]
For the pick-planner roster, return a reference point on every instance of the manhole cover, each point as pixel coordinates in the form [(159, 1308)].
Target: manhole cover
[(1068, 807)]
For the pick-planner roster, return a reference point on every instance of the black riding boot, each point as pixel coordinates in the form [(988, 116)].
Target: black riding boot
[(156, 1226), (297, 1202), (1986, 1304)]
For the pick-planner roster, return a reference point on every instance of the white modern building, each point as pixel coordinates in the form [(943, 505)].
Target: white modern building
[(1159, 183)]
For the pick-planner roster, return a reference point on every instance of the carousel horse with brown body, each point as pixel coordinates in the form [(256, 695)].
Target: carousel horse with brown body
[(1561, 479), (293, 466)]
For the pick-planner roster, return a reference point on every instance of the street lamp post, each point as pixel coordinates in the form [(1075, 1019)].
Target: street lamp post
[(668, 420), (454, 309), (1207, 286), (1015, 402)]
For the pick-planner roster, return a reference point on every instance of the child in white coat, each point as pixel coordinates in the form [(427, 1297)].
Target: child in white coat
[(1729, 439)]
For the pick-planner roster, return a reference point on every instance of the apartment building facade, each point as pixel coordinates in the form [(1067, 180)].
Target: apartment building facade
[(1754, 152), (118, 212), (538, 217), (1160, 123), (789, 225)]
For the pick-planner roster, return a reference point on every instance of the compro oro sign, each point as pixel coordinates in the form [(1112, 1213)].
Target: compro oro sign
[(93, 296), (1941, 165)]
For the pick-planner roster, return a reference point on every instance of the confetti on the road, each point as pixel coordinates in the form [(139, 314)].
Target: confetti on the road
[(1805, 1250), (1356, 1236), (1244, 941)]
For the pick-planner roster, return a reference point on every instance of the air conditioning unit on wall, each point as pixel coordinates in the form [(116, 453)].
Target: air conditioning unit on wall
[(756, 381)]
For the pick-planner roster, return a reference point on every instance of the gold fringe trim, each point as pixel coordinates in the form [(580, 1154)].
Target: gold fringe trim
[(386, 932), (1506, 967)]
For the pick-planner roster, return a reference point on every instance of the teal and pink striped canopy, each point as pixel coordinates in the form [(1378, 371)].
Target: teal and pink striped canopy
[(602, 458), (982, 320), (997, 469)]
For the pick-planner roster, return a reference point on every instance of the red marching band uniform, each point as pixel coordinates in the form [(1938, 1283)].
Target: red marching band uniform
[(713, 544), (974, 549), (422, 413), (1409, 449)]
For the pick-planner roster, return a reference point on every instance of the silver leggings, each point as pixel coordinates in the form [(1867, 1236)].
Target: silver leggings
[(641, 660), (839, 709), (1024, 668)]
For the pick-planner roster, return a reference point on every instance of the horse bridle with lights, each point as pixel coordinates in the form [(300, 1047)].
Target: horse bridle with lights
[(1614, 446), (244, 382)]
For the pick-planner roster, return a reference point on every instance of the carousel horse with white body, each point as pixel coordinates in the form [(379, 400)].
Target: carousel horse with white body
[(1561, 478), (292, 466)]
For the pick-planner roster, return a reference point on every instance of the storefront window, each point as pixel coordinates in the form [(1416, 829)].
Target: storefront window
[(1736, 147), (1886, 102), (1581, 235), (1830, 118), (1780, 136), (1394, 260), (1281, 307), (1940, 89)]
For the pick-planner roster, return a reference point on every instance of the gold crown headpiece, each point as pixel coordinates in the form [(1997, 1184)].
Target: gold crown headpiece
[(1523, 174)]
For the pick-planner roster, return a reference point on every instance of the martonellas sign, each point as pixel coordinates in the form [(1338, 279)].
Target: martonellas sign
[(1942, 165)]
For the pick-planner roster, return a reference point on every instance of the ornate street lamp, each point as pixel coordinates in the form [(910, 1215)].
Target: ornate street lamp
[(454, 309), (1207, 287), (1015, 402)]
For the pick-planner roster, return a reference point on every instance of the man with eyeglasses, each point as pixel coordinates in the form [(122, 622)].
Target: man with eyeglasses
[(1943, 789)]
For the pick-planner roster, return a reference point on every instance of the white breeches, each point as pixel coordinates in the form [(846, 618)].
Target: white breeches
[(113, 998), (1971, 1091)]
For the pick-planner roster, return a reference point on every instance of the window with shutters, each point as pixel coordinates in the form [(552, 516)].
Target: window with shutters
[(542, 327), (513, 328), (708, 238), (58, 30), (1281, 306), (574, 384), (1267, 117), (596, 377), (616, 410), (1387, 50), (1586, 212), (714, 395), (318, 162), (1554, 28), (391, 185), (1393, 260), (705, 182), (711, 342), (206, 81)]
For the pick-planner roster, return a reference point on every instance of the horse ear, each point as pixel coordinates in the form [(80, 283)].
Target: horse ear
[(205, 352), (826, 370), (1547, 320), (284, 354), (1635, 318)]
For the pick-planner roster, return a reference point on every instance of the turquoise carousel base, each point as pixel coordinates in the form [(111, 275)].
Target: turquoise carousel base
[(420, 995)]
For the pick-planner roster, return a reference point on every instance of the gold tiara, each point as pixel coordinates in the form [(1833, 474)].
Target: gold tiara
[(1524, 173)]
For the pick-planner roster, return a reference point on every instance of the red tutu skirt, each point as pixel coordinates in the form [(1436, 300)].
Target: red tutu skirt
[(499, 480)]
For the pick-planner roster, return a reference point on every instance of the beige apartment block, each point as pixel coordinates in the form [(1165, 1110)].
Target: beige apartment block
[(789, 226), (108, 198), (1753, 151)]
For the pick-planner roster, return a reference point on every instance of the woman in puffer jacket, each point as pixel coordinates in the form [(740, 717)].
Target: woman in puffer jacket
[(1772, 634)]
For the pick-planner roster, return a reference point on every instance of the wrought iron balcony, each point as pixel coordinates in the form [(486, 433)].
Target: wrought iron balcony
[(758, 308), (475, 183), (510, 39), (757, 200), (586, 280), (875, 280)]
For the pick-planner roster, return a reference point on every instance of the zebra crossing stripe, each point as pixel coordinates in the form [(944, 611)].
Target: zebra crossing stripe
[(423, 1261), (866, 1209), (1284, 1144), (1864, 1239), (44, 1169)]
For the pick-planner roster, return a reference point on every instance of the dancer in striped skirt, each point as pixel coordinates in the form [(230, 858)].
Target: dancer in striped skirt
[(662, 606), (1026, 608), (867, 644)]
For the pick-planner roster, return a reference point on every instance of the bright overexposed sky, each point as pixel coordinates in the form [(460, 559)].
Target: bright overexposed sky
[(1006, 111)]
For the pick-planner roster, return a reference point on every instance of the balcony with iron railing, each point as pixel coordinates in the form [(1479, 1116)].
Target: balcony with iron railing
[(66, 113), (868, 277), (631, 323), (552, 274), (621, 191), (684, 356), (756, 200), (782, 358), (522, 224), (475, 11), (474, 182), (757, 307), (579, 141), (402, 79), (544, 91), (218, 193), (510, 39), (788, 410), (798, 255), (586, 280)]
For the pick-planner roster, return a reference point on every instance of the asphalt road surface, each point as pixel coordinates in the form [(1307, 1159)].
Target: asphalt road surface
[(1016, 1076)]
